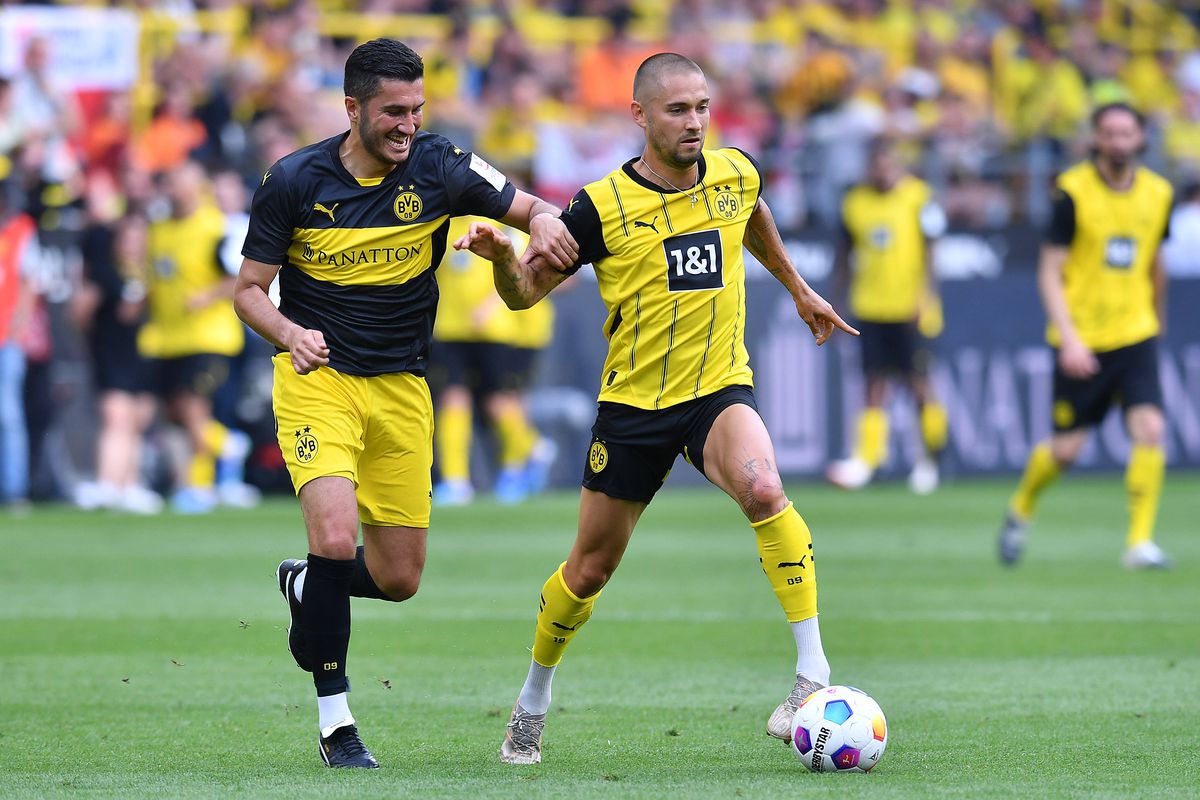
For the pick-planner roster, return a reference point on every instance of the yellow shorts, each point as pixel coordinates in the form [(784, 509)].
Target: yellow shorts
[(376, 431)]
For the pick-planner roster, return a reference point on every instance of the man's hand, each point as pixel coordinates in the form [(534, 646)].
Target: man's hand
[(819, 316), (1076, 359), (549, 237), (308, 350), (486, 241)]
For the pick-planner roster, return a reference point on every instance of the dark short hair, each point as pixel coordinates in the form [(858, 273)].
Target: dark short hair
[(377, 60), (1100, 113), (656, 66)]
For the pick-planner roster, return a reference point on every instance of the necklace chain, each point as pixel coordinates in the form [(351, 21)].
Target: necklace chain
[(691, 193)]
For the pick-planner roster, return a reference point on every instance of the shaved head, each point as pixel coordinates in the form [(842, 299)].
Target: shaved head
[(655, 69)]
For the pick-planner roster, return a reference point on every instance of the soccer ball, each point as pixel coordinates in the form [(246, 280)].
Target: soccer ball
[(839, 729)]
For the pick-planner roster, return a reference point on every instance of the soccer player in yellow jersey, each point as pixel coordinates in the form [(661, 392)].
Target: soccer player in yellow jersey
[(355, 227), (1104, 290), (191, 331), (481, 357), (887, 225), (665, 233)]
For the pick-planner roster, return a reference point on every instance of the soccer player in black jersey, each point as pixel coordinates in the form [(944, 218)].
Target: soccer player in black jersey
[(354, 226)]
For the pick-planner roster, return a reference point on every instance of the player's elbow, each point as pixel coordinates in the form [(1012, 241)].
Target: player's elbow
[(518, 301)]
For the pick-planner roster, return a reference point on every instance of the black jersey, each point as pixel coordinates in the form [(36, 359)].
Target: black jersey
[(358, 260)]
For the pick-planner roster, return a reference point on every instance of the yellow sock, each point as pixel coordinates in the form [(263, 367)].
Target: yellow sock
[(872, 437), (452, 431), (214, 437), (202, 471), (560, 615), (785, 551), (934, 427), (1040, 471), (1143, 481), (517, 436)]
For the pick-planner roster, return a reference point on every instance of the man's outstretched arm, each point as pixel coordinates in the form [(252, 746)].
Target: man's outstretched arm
[(763, 241), (520, 282)]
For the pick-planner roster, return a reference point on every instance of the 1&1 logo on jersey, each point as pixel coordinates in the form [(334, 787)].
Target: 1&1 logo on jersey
[(695, 261)]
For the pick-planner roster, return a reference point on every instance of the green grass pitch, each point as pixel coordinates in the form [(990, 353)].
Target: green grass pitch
[(146, 658)]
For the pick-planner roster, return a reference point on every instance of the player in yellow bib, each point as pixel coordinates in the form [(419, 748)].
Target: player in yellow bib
[(484, 356), (1104, 289), (191, 333), (665, 233), (355, 227), (887, 225)]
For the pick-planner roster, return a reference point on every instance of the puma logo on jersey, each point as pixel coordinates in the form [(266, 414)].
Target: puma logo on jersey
[(799, 563), (265, 176), (324, 210), (564, 627), (637, 223)]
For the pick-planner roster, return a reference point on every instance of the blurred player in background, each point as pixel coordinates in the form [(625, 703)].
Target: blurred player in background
[(485, 356), (884, 256), (110, 308), (355, 226), (665, 233), (190, 334), (1104, 290)]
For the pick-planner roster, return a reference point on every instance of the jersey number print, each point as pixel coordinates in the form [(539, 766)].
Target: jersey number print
[(695, 261)]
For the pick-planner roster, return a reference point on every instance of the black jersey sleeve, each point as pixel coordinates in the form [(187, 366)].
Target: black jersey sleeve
[(271, 219), (583, 221), (1061, 229), (476, 188)]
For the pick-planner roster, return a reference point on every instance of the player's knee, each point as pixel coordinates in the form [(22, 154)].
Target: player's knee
[(769, 498), (591, 577), (334, 541), (1147, 431), (400, 586), (1065, 449)]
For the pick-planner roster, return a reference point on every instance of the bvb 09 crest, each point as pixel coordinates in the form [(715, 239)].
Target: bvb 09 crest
[(727, 204), (407, 206), (306, 445)]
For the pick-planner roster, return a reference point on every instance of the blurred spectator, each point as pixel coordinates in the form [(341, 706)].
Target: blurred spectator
[(173, 134), (109, 307), (46, 112), (606, 70), (18, 250)]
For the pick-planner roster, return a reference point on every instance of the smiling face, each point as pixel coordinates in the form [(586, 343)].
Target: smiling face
[(674, 115), (387, 122)]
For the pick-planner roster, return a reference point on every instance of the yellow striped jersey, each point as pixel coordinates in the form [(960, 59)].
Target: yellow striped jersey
[(471, 311), (886, 235), (359, 260), (184, 262), (1112, 239), (672, 277)]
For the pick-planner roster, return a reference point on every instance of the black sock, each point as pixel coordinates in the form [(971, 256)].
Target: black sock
[(362, 584), (325, 615)]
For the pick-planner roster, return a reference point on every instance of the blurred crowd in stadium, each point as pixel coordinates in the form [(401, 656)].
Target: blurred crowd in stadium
[(987, 99)]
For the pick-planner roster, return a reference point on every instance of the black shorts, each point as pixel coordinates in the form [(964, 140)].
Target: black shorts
[(1128, 375), (633, 449), (202, 374), (483, 367), (116, 364), (893, 348)]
